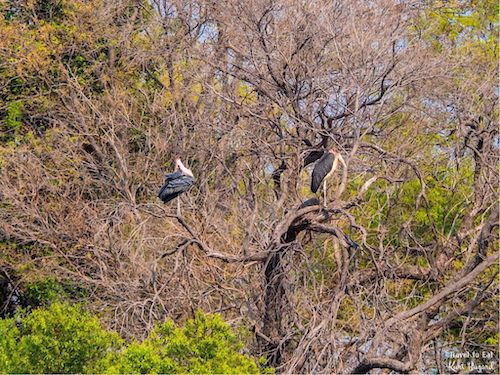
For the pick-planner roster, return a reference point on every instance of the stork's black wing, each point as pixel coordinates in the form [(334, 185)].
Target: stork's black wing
[(172, 176), (321, 169), (173, 187), (312, 157), (310, 202)]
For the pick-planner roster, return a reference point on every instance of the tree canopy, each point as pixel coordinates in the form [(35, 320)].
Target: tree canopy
[(397, 269)]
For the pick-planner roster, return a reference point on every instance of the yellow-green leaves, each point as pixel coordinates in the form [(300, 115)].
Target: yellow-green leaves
[(205, 345), (62, 339), (66, 339)]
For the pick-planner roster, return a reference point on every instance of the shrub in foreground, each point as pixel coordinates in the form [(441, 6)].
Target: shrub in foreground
[(60, 339), (204, 345), (65, 339)]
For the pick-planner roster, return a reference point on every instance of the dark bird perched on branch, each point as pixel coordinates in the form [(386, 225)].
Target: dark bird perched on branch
[(317, 151), (309, 202), (324, 168), (176, 183), (313, 156)]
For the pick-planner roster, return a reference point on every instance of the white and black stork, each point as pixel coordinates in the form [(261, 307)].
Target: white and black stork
[(324, 169), (176, 183)]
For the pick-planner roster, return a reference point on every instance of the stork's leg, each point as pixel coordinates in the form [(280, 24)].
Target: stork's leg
[(324, 192), (178, 206)]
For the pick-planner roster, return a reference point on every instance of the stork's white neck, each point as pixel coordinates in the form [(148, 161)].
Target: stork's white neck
[(341, 159), (335, 164), (337, 157), (182, 168)]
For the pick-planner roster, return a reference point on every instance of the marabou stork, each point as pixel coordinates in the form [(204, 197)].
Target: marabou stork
[(324, 168), (176, 183)]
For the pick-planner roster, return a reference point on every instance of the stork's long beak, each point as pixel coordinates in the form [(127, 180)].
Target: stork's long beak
[(180, 165), (176, 165), (183, 168)]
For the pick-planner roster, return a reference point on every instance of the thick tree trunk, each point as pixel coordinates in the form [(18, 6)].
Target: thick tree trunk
[(275, 300)]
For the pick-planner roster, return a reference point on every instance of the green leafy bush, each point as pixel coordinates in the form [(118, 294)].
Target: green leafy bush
[(204, 345), (14, 116), (45, 291), (60, 339), (65, 339)]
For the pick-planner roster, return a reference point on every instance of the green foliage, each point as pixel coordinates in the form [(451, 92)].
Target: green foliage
[(66, 339), (46, 291), (472, 25), (60, 339), (9, 336), (446, 190), (43, 293), (14, 116), (493, 340), (204, 345), (12, 121), (43, 41)]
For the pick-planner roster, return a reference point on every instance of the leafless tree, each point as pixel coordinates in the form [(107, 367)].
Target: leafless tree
[(405, 247)]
